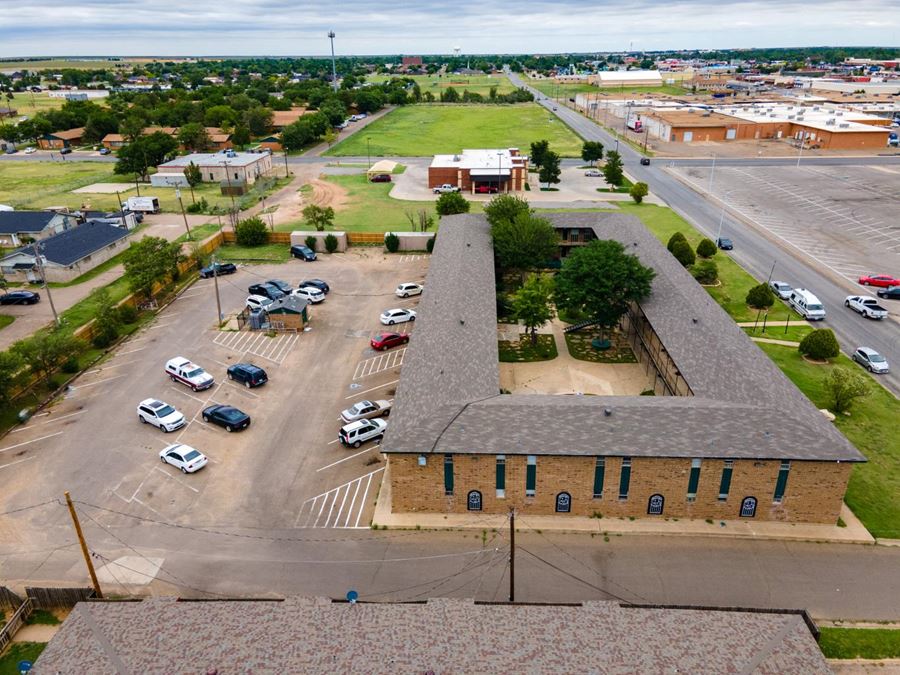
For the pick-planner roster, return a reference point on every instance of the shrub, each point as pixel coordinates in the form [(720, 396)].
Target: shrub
[(198, 207), (70, 365), (684, 253), (675, 237), (311, 242), (104, 337), (251, 232), (705, 271), (760, 297), (451, 203), (331, 243), (820, 344), (845, 386), (392, 242), (706, 248), (429, 245), (127, 314), (638, 191)]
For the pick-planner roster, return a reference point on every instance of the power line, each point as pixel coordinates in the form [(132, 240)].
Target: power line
[(33, 506), (574, 576)]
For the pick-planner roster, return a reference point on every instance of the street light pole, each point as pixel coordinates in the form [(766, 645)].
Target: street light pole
[(35, 247), (712, 174), (215, 269), (722, 217), (368, 154), (800, 154), (333, 68)]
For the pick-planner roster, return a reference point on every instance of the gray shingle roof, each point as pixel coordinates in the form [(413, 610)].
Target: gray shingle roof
[(448, 398), (13, 222), (74, 244), (315, 635)]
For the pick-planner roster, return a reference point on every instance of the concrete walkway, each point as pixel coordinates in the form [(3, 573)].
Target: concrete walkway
[(36, 633), (772, 341), (793, 322)]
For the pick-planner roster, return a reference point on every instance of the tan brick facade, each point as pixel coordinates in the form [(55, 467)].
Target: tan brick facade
[(814, 490)]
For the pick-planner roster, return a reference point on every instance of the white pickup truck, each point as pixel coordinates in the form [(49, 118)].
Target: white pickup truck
[(444, 189), (868, 307), (190, 374)]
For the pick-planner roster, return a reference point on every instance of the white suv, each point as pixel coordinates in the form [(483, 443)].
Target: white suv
[(357, 433), (160, 414), (406, 290), (255, 302)]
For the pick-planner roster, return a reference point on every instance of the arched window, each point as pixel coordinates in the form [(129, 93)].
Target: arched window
[(748, 507), (655, 505), (473, 501), (563, 502)]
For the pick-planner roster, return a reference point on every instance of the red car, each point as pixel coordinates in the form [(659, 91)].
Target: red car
[(384, 341), (882, 280), (486, 189), (381, 178)]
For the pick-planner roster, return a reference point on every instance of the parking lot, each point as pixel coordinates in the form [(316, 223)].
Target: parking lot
[(286, 470)]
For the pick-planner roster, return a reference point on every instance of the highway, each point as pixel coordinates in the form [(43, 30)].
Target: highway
[(754, 251)]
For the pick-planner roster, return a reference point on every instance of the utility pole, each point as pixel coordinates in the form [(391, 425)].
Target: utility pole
[(712, 174), (84, 549), (368, 154), (35, 247), (183, 214), (286, 170), (231, 194), (333, 68), (218, 301), (512, 555), (800, 154), (121, 209)]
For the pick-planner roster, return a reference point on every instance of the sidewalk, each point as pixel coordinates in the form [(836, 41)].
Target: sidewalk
[(854, 533)]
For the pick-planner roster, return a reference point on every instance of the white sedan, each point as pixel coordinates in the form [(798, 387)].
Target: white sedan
[(314, 295), (30, 150), (183, 457), (406, 290), (258, 302), (391, 316)]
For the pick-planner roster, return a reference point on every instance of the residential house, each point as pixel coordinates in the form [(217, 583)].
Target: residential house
[(282, 118), (61, 139), (18, 228)]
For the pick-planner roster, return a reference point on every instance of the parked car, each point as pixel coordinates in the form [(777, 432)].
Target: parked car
[(725, 243), (871, 360), (806, 305), (282, 286), (381, 178), (645, 161), (593, 173), (226, 416), (866, 306), (892, 293), (486, 189), (30, 150), (216, 269), (316, 283), (444, 189), (181, 370), (266, 290), (105, 151), (408, 289), (183, 457), (258, 302), (781, 289), (160, 414), (20, 298), (391, 316), (384, 341), (880, 280), (361, 431), (364, 410), (304, 253), (65, 151), (248, 374), (310, 293)]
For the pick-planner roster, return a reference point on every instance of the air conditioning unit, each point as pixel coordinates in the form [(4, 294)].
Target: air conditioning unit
[(831, 122), (844, 125), (799, 119), (790, 117)]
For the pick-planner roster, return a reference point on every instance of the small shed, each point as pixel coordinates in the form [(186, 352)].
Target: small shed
[(381, 167), (290, 312)]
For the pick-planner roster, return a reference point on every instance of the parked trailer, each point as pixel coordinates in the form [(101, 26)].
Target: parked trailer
[(143, 204)]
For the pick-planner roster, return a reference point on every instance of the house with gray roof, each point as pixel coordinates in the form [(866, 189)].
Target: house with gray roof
[(21, 227), (727, 435)]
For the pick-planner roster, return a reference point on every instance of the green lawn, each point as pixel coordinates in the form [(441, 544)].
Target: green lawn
[(860, 643), (425, 130), (793, 333), (570, 89), (580, 347), (19, 651), (264, 253), (5, 320), (43, 617), (523, 350), (477, 84), (28, 104)]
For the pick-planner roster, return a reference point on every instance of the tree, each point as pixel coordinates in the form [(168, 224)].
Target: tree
[(311, 242), (760, 297), (706, 248), (539, 149), (304, 131), (419, 220), (10, 364), (684, 253), (146, 151), (591, 151), (106, 318), (705, 271), (844, 386), (550, 170), (194, 137), (251, 232), (334, 110), (820, 344), (612, 170), (220, 115), (450, 95), (45, 351), (194, 177), (505, 207), (132, 127), (638, 191), (98, 125), (369, 100), (318, 217), (451, 203), (240, 136), (331, 243), (524, 242), (532, 303), (258, 120), (150, 260), (392, 242), (677, 236), (601, 280)]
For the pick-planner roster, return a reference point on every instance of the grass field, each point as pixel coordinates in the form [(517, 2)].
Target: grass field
[(59, 64), (860, 643), (477, 84), (524, 351), (564, 90), (20, 651), (793, 333), (29, 104), (5, 320), (424, 130)]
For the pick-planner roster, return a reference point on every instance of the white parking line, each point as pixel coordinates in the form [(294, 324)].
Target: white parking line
[(91, 384), (33, 440), (166, 474), (331, 509), (380, 386), (132, 351), (55, 419), (180, 391), (356, 454), (18, 461), (380, 363), (161, 325)]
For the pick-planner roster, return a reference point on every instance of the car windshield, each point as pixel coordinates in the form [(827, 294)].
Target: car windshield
[(197, 372), (362, 405), (231, 413), (814, 308), (192, 455), (165, 411), (876, 358)]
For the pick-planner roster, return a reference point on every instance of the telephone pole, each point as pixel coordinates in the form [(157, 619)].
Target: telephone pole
[(84, 549), (333, 68), (40, 263), (512, 555), (187, 227), (215, 269)]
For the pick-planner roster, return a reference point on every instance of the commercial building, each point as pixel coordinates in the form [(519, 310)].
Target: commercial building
[(474, 170), (727, 435), (61, 139), (222, 167), (627, 78), (318, 635)]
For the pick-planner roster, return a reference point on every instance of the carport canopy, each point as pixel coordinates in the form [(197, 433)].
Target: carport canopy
[(380, 167)]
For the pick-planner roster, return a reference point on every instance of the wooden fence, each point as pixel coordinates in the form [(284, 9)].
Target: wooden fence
[(16, 621), (8, 598), (365, 238), (55, 598), (229, 237)]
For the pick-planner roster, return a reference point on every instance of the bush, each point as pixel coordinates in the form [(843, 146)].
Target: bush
[(684, 253), (760, 297), (331, 243), (392, 242), (127, 314), (310, 242), (674, 238), (106, 335), (70, 365), (252, 232), (705, 271), (429, 245), (845, 386), (638, 191), (198, 207), (820, 344), (451, 203), (706, 248)]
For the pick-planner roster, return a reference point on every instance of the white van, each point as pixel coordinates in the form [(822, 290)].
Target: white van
[(806, 305), (142, 204)]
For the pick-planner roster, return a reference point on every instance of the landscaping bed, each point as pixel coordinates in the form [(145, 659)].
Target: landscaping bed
[(860, 643), (524, 351), (19, 651), (580, 347)]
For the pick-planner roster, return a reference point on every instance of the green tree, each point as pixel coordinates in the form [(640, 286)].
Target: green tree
[(505, 207), (760, 297), (98, 125), (220, 115), (45, 351), (612, 170), (331, 243), (334, 110), (592, 151), (318, 217), (132, 127), (194, 137), (706, 248), (258, 120), (106, 317), (147, 151), (677, 236), (240, 136), (684, 253), (392, 242), (539, 150), (451, 203), (820, 344), (251, 232), (705, 271), (524, 242), (369, 100), (844, 386), (532, 303), (150, 260), (550, 169), (10, 364), (638, 191), (194, 177), (601, 280), (450, 95)]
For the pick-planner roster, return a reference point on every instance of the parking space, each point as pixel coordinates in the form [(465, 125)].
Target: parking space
[(271, 348)]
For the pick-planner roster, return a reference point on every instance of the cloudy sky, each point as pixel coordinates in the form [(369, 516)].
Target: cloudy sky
[(282, 27)]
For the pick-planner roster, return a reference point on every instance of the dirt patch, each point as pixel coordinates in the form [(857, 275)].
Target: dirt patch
[(326, 193)]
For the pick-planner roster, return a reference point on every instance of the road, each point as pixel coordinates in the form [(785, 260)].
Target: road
[(755, 252)]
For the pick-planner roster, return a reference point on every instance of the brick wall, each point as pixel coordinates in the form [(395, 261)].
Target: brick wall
[(814, 490)]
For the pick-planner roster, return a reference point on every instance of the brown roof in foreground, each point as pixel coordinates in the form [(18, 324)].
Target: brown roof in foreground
[(69, 134), (448, 399), (316, 635), (682, 118)]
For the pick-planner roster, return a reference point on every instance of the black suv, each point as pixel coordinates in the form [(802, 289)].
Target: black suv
[(304, 252), (266, 290), (248, 374), (315, 283), (282, 286)]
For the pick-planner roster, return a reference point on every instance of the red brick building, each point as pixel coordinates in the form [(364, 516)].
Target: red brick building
[(481, 170)]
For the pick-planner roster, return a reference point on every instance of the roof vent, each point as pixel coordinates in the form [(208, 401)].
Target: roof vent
[(607, 411), (844, 125), (455, 158), (695, 320)]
